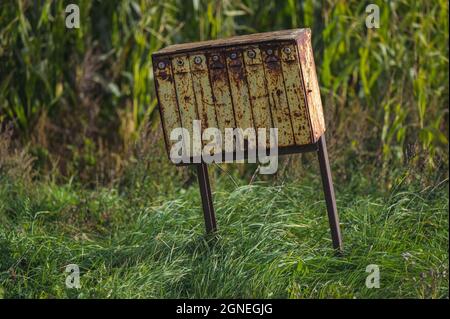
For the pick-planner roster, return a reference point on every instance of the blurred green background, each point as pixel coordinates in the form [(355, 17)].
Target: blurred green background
[(80, 98)]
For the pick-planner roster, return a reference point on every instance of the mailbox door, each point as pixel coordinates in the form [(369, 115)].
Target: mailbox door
[(277, 94), (168, 106)]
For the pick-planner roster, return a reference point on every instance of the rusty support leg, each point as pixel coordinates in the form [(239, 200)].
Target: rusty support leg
[(207, 203), (328, 190)]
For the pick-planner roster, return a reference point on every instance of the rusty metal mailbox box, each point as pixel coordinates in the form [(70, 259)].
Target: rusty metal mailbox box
[(261, 80), (264, 80)]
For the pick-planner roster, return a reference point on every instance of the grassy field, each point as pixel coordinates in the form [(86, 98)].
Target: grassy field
[(273, 242)]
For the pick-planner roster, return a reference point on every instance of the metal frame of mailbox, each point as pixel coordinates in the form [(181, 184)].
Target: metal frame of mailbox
[(219, 67)]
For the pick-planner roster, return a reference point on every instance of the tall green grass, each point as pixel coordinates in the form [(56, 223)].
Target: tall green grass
[(273, 242)]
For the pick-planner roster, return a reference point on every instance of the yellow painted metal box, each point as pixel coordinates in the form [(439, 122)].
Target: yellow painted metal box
[(264, 80)]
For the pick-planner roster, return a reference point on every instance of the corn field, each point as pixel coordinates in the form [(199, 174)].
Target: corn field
[(81, 96)]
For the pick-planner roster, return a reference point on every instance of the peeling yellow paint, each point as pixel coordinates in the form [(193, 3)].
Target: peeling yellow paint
[(277, 96), (202, 89), (311, 85), (239, 90), (295, 95), (259, 96), (185, 96), (221, 93), (168, 105)]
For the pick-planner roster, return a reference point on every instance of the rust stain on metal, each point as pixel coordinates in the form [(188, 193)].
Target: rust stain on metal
[(277, 95), (165, 90), (311, 84), (221, 92), (259, 96), (185, 96), (295, 94), (239, 90), (203, 91)]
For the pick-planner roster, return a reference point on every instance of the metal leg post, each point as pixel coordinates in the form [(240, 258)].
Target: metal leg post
[(207, 203), (328, 190)]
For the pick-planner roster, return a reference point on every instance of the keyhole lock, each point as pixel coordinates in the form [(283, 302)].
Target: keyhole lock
[(215, 58), (197, 60), (287, 50), (251, 54), (161, 65), (233, 55), (269, 51), (180, 62)]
